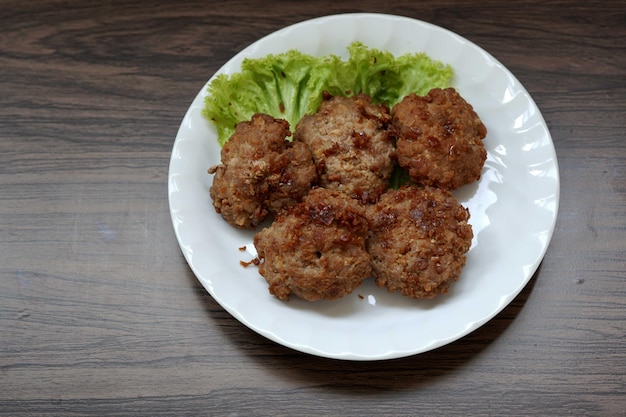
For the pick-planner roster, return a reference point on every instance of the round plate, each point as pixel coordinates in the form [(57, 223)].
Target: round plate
[(513, 207)]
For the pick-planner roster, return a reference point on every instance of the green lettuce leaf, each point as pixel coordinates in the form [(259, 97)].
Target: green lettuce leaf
[(291, 84), (386, 78)]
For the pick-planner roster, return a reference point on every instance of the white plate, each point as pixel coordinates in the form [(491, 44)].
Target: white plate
[(513, 207)]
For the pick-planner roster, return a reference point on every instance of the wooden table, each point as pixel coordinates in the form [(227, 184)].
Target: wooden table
[(101, 315)]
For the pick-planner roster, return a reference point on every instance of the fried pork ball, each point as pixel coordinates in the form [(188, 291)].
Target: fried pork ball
[(352, 145), (440, 139), (418, 240), (315, 249), (261, 172)]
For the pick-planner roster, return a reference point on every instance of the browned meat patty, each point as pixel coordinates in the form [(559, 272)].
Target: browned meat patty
[(418, 240), (439, 139), (260, 172), (315, 249), (352, 145)]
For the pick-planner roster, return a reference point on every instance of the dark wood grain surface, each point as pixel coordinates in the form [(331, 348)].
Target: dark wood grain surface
[(99, 312)]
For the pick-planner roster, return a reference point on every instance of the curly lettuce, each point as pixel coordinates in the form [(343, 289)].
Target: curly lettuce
[(291, 84)]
